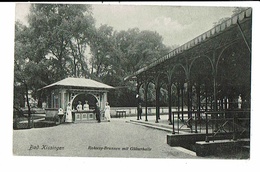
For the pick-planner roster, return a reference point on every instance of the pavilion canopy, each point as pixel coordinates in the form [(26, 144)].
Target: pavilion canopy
[(79, 82)]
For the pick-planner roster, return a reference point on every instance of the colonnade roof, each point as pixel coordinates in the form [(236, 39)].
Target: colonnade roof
[(222, 27)]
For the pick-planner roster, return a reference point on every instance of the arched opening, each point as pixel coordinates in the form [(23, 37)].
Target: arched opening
[(201, 77), (179, 81), (92, 100), (234, 75)]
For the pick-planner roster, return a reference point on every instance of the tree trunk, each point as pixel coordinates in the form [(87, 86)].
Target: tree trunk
[(28, 105)]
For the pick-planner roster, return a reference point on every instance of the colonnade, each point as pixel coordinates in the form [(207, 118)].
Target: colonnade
[(211, 73)]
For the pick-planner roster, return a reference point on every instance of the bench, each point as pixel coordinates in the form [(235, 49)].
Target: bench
[(120, 112)]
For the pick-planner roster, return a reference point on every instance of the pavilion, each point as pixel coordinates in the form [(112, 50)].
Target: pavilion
[(74, 90)]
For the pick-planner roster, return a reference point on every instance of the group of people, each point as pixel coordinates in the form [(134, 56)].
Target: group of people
[(85, 107), (106, 112)]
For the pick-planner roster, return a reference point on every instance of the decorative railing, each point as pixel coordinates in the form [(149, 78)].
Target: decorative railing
[(231, 124)]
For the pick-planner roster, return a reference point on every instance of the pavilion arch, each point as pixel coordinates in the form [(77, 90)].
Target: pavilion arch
[(201, 78), (177, 67), (73, 101), (147, 91), (226, 48), (205, 57), (233, 74)]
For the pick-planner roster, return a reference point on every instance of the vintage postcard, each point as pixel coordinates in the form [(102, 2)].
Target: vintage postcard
[(145, 81)]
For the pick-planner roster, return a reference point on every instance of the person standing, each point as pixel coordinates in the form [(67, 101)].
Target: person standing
[(79, 106), (139, 111), (68, 113), (97, 111), (86, 106), (107, 112)]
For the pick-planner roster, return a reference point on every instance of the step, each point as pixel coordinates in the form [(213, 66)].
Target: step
[(151, 126), (164, 126)]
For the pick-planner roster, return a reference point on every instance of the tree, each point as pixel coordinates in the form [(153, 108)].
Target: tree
[(101, 48), (51, 47), (118, 54), (56, 41), (22, 66), (57, 37), (64, 30)]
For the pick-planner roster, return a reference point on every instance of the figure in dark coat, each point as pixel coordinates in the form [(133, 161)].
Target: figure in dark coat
[(139, 111), (97, 111)]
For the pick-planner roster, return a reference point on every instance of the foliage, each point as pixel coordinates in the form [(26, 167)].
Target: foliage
[(56, 44), (63, 31), (53, 46), (118, 54)]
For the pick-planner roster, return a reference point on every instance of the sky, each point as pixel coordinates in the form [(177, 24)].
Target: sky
[(176, 24)]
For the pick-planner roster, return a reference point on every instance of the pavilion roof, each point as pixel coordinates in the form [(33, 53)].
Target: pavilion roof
[(80, 82)]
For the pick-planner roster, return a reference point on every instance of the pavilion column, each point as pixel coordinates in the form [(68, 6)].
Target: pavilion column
[(197, 115), (63, 101), (52, 99), (138, 98), (170, 103), (104, 99), (157, 102), (182, 101), (145, 97), (215, 103), (206, 97), (178, 100), (189, 88), (198, 98), (215, 92)]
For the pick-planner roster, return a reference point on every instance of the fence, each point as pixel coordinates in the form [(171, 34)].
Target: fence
[(132, 111), (232, 124)]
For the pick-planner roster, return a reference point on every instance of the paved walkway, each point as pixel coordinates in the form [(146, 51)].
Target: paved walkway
[(117, 138)]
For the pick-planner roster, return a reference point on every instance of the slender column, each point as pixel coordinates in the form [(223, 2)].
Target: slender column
[(62, 105), (215, 103), (145, 97), (178, 103), (182, 101), (189, 86), (215, 92), (173, 130), (170, 103), (52, 99), (206, 97), (199, 102), (138, 98), (197, 117), (157, 102)]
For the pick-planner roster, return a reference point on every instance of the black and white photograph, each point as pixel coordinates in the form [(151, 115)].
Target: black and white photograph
[(132, 81)]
